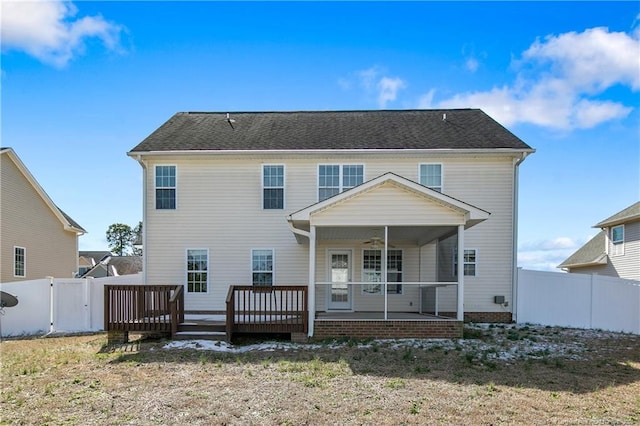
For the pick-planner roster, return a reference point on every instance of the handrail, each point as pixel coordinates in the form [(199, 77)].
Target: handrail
[(268, 309), (138, 308), (176, 308)]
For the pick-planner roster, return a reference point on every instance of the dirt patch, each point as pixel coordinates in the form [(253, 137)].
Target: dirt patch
[(497, 374)]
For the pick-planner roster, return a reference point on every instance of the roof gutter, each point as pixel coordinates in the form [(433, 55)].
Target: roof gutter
[(386, 151)]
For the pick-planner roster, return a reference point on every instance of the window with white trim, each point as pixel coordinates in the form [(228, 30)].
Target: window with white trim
[(617, 240), (197, 270), (372, 271), (431, 176), (262, 267), (336, 178), (165, 182), (272, 187), (470, 262), (19, 261)]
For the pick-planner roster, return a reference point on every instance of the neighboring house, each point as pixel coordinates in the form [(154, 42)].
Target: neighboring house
[(113, 266), (318, 198), (614, 251), (37, 238), (88, 260)]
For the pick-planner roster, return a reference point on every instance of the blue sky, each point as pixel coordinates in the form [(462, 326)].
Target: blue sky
[(84, 82)]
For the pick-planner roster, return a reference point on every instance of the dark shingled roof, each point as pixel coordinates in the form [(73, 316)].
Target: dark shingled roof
[(329, 130), (629, 214), (592, 253)]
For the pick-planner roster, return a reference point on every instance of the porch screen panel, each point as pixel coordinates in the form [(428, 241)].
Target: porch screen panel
[(372, 271)]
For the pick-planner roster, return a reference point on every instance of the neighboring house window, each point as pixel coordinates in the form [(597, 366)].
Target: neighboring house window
[(335, 178), (165, 187), (372, 271), (262, 267), (19, 258), (431, 176), (617, 240), (197, 270), (273, 187), (470, 264)]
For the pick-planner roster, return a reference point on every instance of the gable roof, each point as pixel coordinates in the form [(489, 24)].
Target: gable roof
[(630, 214), (474, 214), (67, 222), (330, 130), (592, 253)]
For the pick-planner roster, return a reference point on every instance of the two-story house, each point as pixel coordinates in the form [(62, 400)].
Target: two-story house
[(37, 239), (385, 216), (614, 251)]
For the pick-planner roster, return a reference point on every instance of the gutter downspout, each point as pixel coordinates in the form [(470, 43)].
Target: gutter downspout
[(514, 280), (143, 164)]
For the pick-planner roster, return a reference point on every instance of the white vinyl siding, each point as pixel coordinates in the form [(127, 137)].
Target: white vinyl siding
[(430, 175), (273, 185), (212, 214), (165, 191), (19, 262)]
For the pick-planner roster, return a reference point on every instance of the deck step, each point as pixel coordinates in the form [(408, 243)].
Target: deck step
[(200, 335)]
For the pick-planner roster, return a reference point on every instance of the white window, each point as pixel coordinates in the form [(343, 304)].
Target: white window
[(165, 181), (431, 176), (372, 271), (470, 262), (335, 178), (262, 267), (617, 240), (197, 270), (19, 261), (272, 187)]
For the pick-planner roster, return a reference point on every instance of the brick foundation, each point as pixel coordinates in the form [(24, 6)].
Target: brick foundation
[(399, 329), (496, 317), (117, 337), (299, 337)]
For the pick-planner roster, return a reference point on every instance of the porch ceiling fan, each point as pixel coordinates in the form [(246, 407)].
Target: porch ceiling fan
[(376, 243)]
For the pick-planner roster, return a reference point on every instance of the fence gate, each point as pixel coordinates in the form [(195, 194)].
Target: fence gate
[(72, 307)]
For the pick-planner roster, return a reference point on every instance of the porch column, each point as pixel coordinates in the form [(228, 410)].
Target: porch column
[(384, 271), (461, 272), (311, 291)]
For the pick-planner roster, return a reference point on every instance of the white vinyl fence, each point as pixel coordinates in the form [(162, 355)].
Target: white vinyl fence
[(53, 305), (578, 301)]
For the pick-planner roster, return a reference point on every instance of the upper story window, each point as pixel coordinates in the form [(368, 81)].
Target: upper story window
[(165, 181), (197, 270), (372, 271), (617, 240), (19, 261), (431, 176), (272, 187), (262, 267), (335, 178)]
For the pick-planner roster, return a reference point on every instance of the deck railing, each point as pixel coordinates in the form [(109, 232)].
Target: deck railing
[(273, 309), (143, 308)]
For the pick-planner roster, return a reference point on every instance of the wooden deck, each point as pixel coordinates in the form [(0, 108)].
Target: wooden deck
[(160, 309)]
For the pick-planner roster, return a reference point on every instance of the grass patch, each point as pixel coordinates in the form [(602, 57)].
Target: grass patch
[(551, 375)]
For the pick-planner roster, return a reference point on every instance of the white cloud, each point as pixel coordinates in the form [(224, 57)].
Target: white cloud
[(388, 90), (472, 64), (50, 31), (558, 80), (375, 83), (546, 255)]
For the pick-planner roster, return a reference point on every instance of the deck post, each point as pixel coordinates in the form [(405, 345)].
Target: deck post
[(311, 293), (460, 273)]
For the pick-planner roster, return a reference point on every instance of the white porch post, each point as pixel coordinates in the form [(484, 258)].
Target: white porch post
[(461, 272), (311, 291), (384, 271)]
